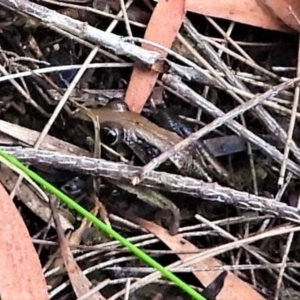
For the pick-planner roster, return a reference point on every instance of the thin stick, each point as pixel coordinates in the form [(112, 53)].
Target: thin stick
[(126, 19), (291, 125), (213, 125), (57, 110), (284, 259), (181, 90)]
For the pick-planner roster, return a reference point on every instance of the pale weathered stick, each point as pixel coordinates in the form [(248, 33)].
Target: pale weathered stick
[(161, 180), (212, 62), (197, 100), (154, 163), (110, 41), (28, 136)]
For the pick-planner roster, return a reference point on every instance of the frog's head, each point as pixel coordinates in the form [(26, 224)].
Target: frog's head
[(117, 105)]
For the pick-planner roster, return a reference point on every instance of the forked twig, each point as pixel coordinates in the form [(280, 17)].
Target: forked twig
[(195, 99), (154, 163)]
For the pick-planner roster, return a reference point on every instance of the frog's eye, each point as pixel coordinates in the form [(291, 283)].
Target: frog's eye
[(111, 136)]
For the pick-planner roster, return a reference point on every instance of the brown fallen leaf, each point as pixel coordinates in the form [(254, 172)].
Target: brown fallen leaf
[(288, 11), (244, 11), (233, 287), (80, 283), (29, 136), (21, 275), (162, 29)]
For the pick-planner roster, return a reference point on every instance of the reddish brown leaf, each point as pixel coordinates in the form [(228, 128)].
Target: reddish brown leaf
[(234, 288), (163, 29), (287, 11), (249, 12), (163, 26), (21, 275)]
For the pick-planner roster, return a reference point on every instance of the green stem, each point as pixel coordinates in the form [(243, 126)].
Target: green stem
[(102, 226)]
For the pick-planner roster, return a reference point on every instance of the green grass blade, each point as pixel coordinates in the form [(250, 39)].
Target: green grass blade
[(102, 226)]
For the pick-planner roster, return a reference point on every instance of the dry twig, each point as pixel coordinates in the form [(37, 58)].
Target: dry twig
[(161, 180)]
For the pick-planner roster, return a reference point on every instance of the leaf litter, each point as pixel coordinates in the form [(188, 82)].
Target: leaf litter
[(214, 62)]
